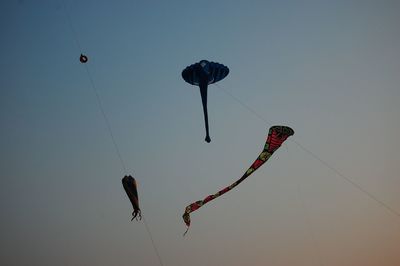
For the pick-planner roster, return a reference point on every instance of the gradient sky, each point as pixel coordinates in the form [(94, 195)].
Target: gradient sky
[(328, 69)]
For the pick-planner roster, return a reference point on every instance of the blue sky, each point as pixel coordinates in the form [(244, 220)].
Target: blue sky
[(328, 69)]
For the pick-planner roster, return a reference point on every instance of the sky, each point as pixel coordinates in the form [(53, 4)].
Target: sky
[(328, 69)]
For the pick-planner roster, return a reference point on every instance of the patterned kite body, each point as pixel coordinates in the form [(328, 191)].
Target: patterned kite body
[(130, 186), (276, 136)]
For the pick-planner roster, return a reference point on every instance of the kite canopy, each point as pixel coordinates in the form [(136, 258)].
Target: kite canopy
[(202, 74), (276, 136), (130, 186)]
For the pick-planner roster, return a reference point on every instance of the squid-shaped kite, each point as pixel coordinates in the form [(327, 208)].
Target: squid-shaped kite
[(130, 187), (276, 136), (202, 74)]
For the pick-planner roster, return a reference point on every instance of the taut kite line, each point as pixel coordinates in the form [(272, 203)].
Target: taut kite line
[(276, 136)]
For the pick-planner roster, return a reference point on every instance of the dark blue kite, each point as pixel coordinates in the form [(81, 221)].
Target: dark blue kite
[(202, 74)]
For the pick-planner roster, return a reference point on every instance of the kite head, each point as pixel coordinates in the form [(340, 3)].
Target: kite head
[(276, 136), (204, 72), (283, 131)]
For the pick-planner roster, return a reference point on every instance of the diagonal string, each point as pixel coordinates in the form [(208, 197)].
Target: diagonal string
[(106, 120), (318, 158), (360, 188), (75, 35), (251, 110), (309, 225), (152, 241)]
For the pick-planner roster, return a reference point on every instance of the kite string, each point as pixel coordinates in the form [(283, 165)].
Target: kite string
[(338, 173), (75, 35), (369, 194), (309, 225), (303, 205), (251, 110), (152, 241), (106, 120)]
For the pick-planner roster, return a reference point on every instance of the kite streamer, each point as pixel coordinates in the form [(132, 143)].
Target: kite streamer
[(276, 136)]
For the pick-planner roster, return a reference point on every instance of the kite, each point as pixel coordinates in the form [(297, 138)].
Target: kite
[(276, 136), (202, 74), (83, 58), (130, 187)]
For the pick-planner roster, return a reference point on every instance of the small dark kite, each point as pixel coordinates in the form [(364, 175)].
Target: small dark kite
[(130, 187), (83, 58)]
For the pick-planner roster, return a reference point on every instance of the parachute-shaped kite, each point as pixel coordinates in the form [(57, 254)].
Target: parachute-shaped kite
[(276, 136), (202, 74), (130, 187)]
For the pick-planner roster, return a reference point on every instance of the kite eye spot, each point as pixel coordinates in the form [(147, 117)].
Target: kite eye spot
[(203, 63)]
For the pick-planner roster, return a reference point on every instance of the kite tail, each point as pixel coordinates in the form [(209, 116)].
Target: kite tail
[(203, 92), (196, 205), (276, 136)]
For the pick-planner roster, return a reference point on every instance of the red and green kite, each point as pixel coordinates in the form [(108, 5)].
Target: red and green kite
[(276, 136)]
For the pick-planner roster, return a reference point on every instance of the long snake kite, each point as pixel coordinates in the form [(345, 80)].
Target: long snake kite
[(276, 136)]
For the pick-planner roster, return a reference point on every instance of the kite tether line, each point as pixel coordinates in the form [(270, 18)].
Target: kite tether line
[(306, 216), (152, 241), (308, 224), (100, 104), (318, 158), (106, 120), (110, 131)]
